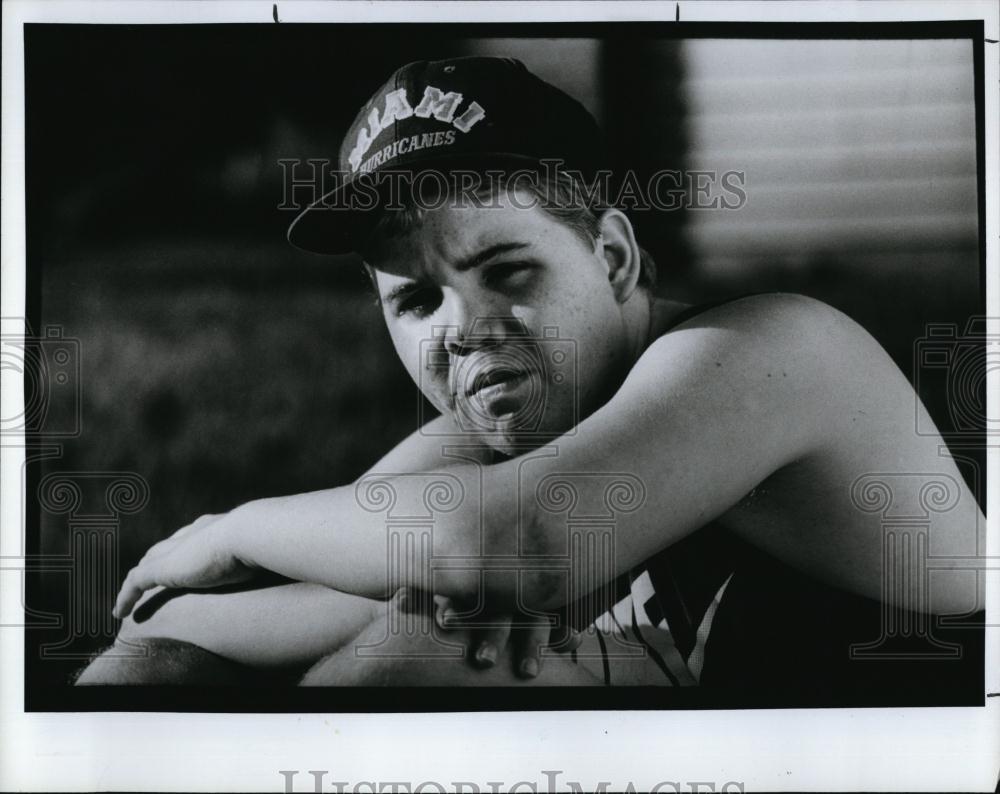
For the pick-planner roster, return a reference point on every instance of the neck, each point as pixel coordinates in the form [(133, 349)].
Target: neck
[(637, 316), (646, 318)]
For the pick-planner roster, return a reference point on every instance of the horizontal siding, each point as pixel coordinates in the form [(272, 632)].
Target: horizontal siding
[(858, 126), (848, 147), (895, 87), (888, 199), (757, 58), (833, 236), (847, 162)]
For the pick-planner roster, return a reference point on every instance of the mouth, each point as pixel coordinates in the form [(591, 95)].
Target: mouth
[(495, 380)]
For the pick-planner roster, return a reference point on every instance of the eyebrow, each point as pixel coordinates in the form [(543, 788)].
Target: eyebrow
[(400, 291), (486, 254), (480, 257)]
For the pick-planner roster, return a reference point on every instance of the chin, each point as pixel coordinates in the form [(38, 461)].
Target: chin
[(515, 441), (512, 446), (518, 419)]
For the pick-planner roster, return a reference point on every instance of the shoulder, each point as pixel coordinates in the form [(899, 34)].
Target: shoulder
[(778, 361), (772, 313), (774, 328)]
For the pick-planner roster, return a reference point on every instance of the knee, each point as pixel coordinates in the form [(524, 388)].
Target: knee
[(153, 662)]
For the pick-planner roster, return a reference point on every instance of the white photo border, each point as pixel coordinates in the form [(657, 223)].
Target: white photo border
[(800, 749)]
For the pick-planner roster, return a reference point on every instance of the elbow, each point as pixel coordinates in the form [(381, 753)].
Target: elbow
[(503, 556), (546, 562), (513, 551)]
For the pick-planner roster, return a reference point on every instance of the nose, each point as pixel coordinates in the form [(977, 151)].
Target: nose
[(473, 324)]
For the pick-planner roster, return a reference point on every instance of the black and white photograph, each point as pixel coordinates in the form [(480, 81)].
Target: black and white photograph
[(499, 368)]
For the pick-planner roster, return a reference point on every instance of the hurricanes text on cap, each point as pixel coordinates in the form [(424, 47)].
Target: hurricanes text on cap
[(474, 112)]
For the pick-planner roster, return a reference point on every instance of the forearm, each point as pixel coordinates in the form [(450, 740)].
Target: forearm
[(351, 539), (449, 532)]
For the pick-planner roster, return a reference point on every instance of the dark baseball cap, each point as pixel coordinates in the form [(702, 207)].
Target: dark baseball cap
[(474, 112)]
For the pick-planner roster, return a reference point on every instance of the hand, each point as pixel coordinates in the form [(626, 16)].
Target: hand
[(195, 556), (529, 635)]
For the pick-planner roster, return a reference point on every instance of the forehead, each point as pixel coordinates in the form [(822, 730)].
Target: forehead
[(449, 235)]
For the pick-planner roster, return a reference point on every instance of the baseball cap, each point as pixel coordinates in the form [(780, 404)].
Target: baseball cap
[(473, 112)]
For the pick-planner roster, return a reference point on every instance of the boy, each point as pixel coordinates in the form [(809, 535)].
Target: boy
[(715, 457)]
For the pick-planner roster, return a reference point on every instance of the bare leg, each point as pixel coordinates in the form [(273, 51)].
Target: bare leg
[(166, 662), (380, 656), (262, 633)]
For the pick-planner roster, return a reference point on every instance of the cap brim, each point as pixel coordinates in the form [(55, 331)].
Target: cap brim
[(343, 217), (329, 225)]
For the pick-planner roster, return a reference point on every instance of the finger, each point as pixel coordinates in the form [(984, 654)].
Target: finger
[(528, 653), (403, 600), (412, 601), (138, 581), (489, 642), (447, 615), (565, 639), (444, 611)]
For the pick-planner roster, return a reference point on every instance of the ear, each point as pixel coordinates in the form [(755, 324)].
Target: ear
[(620, 251)]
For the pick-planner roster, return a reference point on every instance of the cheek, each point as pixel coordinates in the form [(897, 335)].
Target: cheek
[(589, 317), (577, 301), (407, 345), (413, 347)]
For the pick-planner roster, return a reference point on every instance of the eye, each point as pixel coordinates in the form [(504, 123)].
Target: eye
[(509, 274), (419, 303)]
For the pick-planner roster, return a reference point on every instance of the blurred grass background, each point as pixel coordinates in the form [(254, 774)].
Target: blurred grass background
[(228, 390), (221, 365)]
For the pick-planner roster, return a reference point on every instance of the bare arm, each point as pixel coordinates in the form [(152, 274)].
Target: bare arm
[(710, 410), (192, 635)]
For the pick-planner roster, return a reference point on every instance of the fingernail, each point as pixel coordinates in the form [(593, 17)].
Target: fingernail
[(448, 616), (486, 654), (529, 667)]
